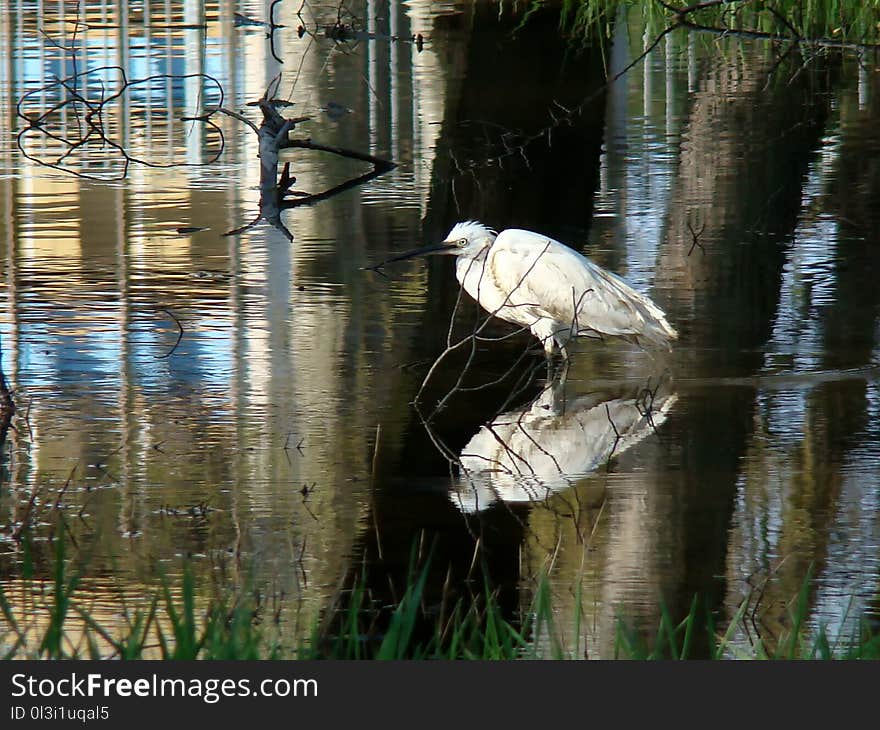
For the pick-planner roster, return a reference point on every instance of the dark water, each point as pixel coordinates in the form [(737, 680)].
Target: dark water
[(277, 443)]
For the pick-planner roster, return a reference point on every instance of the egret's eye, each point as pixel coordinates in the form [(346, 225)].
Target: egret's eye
[(462, 242)]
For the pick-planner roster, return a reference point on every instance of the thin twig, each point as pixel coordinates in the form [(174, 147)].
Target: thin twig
[(179, 334)]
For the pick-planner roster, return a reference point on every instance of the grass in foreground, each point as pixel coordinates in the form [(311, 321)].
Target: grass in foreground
[(176, 625)]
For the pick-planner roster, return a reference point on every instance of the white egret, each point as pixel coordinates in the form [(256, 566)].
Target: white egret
[(533, 281)]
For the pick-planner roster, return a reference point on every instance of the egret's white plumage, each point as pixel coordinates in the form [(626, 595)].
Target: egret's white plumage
[(533, 281)]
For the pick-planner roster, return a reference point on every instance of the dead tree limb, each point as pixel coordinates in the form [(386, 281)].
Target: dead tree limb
[(92, 136), (7, 406), (276, 194)]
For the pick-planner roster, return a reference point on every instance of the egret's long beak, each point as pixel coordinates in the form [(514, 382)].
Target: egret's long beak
[(442, 248)]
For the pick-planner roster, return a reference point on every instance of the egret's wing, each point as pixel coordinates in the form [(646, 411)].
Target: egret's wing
[(549, 279)]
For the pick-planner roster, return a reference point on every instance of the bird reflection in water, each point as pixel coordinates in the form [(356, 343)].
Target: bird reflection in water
[(530, 453)]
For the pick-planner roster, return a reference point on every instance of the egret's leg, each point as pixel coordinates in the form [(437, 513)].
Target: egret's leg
[(563, 366), (550, 352)]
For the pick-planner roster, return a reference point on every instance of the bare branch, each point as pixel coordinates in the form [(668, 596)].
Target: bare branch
[(91, 130), (179, 335)]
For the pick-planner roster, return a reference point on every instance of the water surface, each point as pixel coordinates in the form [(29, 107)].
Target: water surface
[(277, 442)]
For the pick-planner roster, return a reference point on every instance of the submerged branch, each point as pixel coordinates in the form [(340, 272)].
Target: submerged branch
[(179, 334), (91, 136), (7, 407), (276, 194)]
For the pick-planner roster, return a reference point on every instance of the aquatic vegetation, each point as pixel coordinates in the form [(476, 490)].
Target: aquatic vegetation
[(179, 624), (851, 22)]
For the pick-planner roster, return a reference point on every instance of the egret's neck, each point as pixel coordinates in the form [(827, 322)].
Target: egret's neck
[(478, 253), (471, 262)]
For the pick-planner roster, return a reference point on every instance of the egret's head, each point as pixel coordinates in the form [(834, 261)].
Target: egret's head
[(465, 239), (468, 238)]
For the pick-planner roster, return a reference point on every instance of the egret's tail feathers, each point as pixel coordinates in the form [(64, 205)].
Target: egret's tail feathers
[(626, 312), (647, 324), (653, 329), (657, 330)]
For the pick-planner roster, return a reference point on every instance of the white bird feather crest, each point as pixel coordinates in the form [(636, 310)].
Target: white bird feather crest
[(470, 230)]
